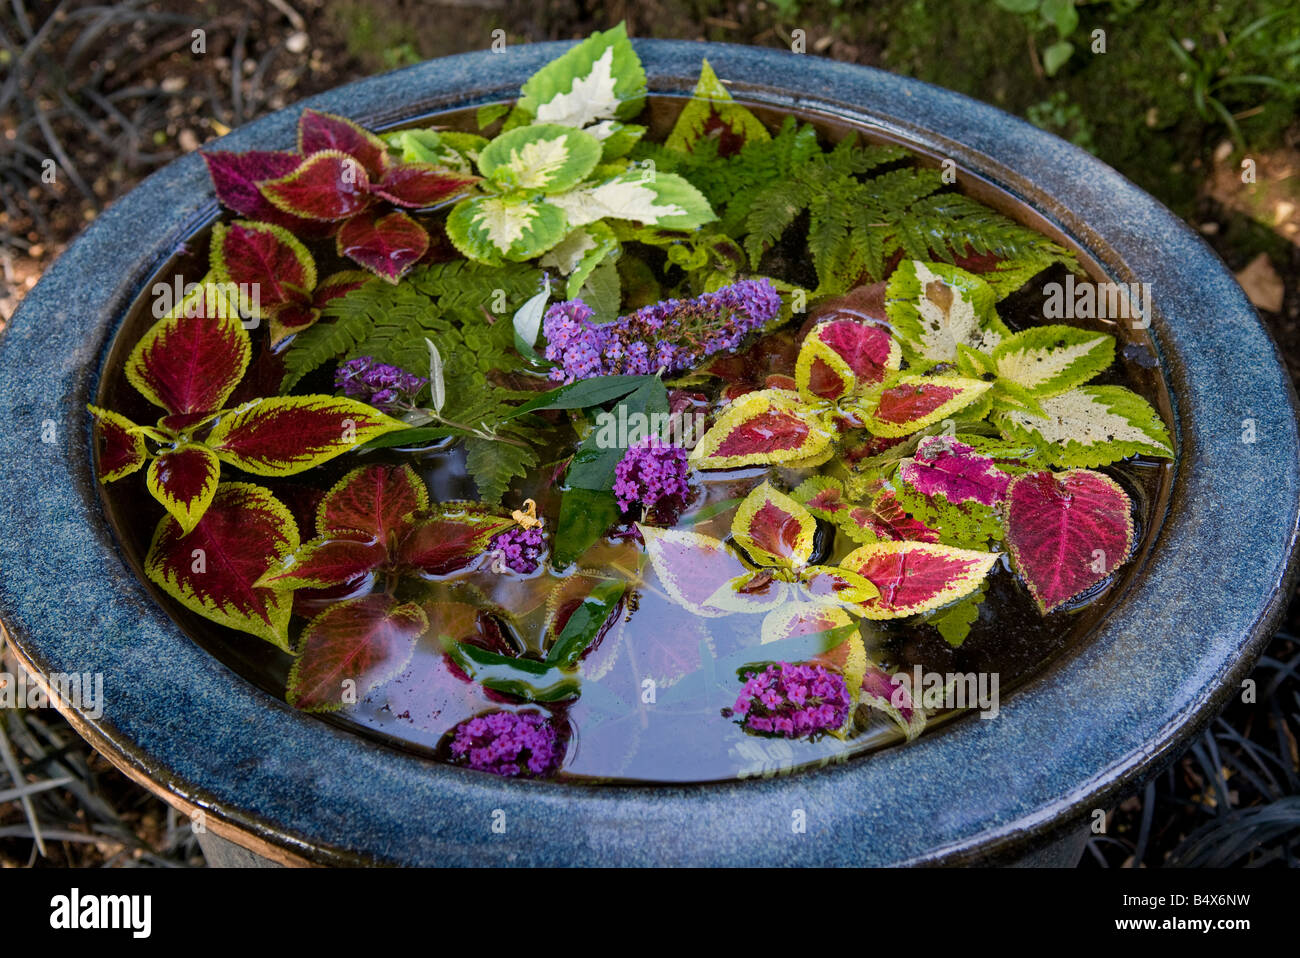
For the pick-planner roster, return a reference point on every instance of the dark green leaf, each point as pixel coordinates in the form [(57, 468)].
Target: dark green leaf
[(586, 622), (584, 517), (525, 679)]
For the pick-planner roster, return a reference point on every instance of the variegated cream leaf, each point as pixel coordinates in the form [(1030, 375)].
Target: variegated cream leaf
[(935, 307), (543, 157), (1050, 360), (661, 199), (579, 253), (1091, 426), (599, 79), (490, 228)]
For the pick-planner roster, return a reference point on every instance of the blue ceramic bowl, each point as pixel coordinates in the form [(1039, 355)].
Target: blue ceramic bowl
[(1094, 724)]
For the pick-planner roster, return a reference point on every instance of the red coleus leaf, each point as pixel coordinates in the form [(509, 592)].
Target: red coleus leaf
[(420, 184), (891, 695), (283, 435), (318, 132), (235, 177), (915, 577), (450, 539), (119, 451), (886, 517), (387, 245), (265, 258), (327, 561), (917, 401), (184, 480), (761, 428), (351, 648), (862, 304), (325, 186), (844, 356), (943, 466), (1067, 532), (774, 529), (374, 499), (338, 284), (190, 361), (214, 570)]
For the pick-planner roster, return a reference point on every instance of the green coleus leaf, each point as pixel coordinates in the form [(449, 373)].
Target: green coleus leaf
[(579, 253), (935, 307), (545, 158), (488, 229), (599, 80), (351, 648), (283, 435), (643, 195), (581, 623), (1091, 426), (712, 113), (1049, 360), (445, 148), (214, 569), (954, 622)]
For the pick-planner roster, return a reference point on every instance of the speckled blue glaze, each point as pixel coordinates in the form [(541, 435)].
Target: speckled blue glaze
[(1071, 740)]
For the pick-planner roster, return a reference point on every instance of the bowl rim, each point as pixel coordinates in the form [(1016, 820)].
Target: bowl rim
[(969, 791)]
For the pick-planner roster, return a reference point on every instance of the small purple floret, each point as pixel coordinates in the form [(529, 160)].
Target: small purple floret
[(519, 549), (653, 475), (671, 335), (508, 743), (382, 385), (793, 700)]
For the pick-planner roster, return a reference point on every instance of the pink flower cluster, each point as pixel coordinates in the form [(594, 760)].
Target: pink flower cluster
[(652, 474), (520, 549), (793, 700), (671, 335), (508, 743)]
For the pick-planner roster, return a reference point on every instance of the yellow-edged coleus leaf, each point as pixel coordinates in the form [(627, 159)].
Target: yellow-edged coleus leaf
[(934, 307), (1091, 426), (754, 591), (695, 570), (214, 569), (449, 537), (184, 480), (319, 131), (488, 229), (283, 435), (774, 529), (327, 185), (802, 618), (266, 258), (600, 79), (911, 403), (119, 445), (544, 157), (351, 648), (833, 585), (915, 577), (643, 195), (842, 357), (767, 427), (325, 561), (373, 499), (891, 695), (711, 112), (191, 360), (1049, 360)]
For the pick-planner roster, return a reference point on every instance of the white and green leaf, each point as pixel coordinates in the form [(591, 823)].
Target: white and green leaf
[(599, 79), (1091, 426), (642, 195), (1050, 360), (488, 229), (545, 157), (580, 252), (935, 307)]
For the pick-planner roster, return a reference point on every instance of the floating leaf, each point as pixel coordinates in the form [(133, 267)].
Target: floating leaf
[(416, 185), (542, 157), (319, 132), (235, 177), (866, 352), (387, 245), (329, 185), (1050, 360), (774, 529), (451, 538), (943, 466), (916, 577), (1091, 426), (190, 361), (119, 446), (935, 307), (915, 402), (214, 570), (1067, 532), (372, 499), (583, 623), (711, 112), (767, 427), (890, 694), (327, 560), (284, 435), (694, 569), (599, 79), (184, 480), (803, 618), (352, 647)]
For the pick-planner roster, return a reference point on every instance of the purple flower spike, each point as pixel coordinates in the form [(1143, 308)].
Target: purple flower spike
[(508, 743), (793, 700), (672, 335), (653, 475), (382, 385)]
